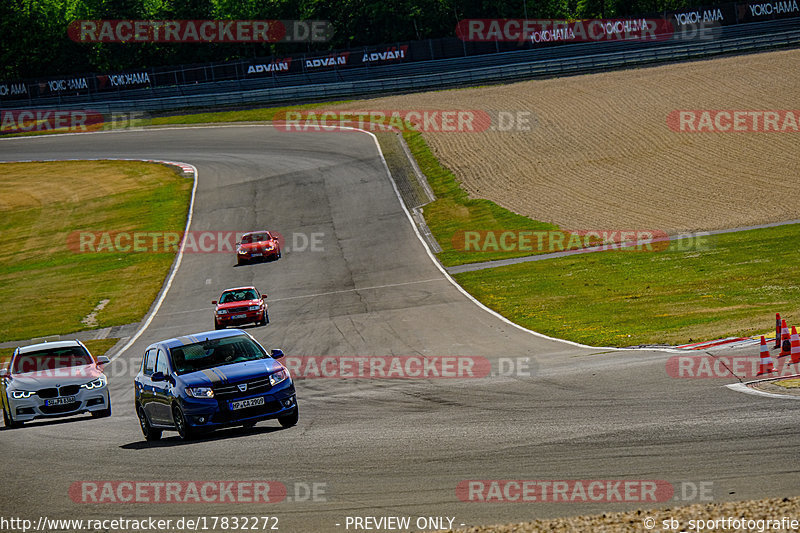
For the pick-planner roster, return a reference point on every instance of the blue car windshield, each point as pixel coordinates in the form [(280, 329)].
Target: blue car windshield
[(217, 352)]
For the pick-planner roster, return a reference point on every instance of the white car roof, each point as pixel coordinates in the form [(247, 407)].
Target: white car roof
[(48, 345)]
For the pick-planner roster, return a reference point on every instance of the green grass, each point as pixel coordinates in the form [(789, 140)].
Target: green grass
[(245, 115), (733, 285), (96, 346), (46, 287)]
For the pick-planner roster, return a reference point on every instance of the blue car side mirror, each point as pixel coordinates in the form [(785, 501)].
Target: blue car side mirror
[(276, 354)]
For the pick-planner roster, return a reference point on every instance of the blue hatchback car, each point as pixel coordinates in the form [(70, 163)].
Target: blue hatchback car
[(211, 380)]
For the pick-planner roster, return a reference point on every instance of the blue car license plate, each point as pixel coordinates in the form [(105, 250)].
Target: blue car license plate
[(250, 402)]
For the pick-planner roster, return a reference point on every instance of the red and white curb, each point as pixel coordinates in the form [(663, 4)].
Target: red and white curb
[(729, 342), (186, 168)]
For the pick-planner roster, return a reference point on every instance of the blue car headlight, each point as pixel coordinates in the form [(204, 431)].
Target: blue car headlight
[(98, 383), (20, 394), (278, 377), (200, 392)]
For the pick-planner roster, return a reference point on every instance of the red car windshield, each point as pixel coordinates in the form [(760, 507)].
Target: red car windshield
[(238, 296), (52, 359), (255, 237)]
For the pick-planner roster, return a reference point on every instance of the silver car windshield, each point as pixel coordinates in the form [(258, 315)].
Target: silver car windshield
[(50, 359), (208, 354)]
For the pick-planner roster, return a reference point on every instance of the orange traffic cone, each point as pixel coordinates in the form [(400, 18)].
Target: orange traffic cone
[(786, 343), (795, 347), (777, 330), (766, 360)]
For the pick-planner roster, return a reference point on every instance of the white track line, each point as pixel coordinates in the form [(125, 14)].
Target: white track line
[(742, 387), (173, 271)]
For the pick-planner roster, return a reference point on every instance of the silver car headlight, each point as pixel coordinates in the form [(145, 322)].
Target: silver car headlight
[(200, 392), (98, 383), (20, 394), (278, 377)]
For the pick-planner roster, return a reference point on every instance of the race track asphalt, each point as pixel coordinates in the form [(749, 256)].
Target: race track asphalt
[(384, 447)]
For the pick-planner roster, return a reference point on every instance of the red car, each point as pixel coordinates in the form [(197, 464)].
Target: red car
[(242, 305), (257, 245)]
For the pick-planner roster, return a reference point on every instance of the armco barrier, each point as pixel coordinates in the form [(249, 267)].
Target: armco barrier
[(494, 68), (368, 61), (381, 72)]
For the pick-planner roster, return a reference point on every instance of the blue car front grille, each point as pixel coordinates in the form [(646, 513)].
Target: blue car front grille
[(232, 391)]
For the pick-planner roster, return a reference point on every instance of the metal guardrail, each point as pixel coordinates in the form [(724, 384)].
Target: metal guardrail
[(446, 73)]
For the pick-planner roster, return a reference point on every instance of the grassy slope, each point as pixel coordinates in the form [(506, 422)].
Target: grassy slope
[(454, 211), (54, 287), (731, 286)]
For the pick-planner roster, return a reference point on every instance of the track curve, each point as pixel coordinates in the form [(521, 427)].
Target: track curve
[(382, 447)]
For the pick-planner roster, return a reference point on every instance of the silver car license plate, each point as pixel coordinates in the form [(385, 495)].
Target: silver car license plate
[(250, 402), (60, 401)]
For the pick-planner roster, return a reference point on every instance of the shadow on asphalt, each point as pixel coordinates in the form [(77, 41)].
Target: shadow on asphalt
[(221, 434), (53, 422), (255, 262)]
